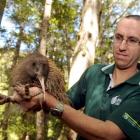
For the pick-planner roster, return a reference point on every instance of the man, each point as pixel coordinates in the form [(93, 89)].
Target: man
[(109, 94)]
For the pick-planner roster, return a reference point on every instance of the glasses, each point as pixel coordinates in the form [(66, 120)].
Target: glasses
[(130, 41)]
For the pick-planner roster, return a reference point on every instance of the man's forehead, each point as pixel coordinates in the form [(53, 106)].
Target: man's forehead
[(128, 20), (130, 26)]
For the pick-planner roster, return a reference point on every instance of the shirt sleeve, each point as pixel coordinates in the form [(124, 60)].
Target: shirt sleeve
[(127, 117), (77, 93)]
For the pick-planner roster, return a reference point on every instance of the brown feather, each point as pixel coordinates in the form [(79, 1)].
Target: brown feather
[(25, 73)]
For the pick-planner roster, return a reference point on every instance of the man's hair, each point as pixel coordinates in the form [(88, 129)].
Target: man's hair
[(136, 17)]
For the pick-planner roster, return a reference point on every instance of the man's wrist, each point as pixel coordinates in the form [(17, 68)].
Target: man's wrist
[(56, 107), (57, 110)]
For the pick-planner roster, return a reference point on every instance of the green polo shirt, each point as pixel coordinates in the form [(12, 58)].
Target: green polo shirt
[(120, 104)]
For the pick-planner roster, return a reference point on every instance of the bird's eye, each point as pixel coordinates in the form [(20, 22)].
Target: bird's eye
[(33, 64)]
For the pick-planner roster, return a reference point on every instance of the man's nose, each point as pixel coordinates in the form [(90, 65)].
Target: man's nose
[(123, 45)]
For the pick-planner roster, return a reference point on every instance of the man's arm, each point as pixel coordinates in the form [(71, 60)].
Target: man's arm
[(88, 127), (91, 128)]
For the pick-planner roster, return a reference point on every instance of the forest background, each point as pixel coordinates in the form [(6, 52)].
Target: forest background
[(73, 33)]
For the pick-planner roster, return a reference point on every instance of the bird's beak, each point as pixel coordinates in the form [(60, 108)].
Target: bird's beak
[(42, 82)]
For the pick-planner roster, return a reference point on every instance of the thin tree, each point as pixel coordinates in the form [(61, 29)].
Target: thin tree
[(84, 52), (2, 7), (40, 121)]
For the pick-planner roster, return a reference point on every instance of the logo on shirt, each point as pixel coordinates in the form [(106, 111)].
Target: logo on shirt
[(116, 100), (131, 120)]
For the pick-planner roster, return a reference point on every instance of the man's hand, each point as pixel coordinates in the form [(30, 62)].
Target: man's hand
[(33, 102), (37, 101)]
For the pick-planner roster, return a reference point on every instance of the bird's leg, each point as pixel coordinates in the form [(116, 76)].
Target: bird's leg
[(4, 99), (27, 93), (24, 92)]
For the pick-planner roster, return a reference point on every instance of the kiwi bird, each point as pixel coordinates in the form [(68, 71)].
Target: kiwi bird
[(40, 71), (33, 69)]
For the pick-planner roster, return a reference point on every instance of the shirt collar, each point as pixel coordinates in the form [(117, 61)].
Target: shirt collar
[(132, 80), (108, 69)]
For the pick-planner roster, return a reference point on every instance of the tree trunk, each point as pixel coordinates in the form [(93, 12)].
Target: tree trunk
[(40, 125), (7, 106), (40, 120), (84, 52), (43, 34)]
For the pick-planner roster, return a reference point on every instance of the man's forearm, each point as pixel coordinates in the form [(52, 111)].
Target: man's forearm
[(91, 128), (88, 127), (81, 123)]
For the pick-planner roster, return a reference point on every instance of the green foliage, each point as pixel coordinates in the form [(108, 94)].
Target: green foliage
[(5, 65), (106, 53), (61, 32), (20, 124), (65, 13)]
